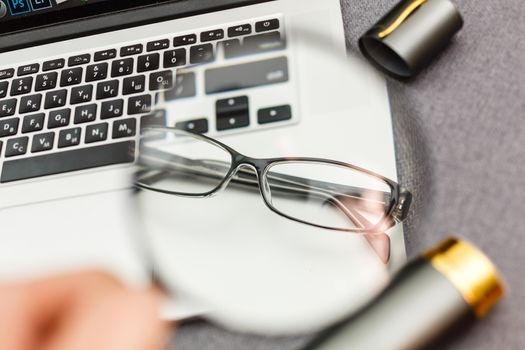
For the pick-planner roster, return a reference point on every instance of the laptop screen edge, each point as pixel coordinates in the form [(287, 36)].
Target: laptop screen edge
[(115, 21)]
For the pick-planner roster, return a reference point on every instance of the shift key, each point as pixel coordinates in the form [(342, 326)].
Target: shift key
[(246, 75)]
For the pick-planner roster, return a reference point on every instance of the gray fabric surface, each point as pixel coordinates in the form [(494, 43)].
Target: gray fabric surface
[(460, 138)]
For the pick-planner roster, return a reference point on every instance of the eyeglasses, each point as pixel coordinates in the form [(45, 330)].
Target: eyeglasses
[(318, 192)]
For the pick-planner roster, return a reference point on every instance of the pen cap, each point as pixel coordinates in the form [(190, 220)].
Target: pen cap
[(410, 35), (470, 271)]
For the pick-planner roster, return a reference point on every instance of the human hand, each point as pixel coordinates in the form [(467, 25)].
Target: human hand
[(89, 310)]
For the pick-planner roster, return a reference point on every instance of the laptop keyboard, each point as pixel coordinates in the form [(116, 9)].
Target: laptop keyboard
[(84, 111)]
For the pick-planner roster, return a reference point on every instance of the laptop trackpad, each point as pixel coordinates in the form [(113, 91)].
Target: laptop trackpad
[(253, 269), (76, 233)]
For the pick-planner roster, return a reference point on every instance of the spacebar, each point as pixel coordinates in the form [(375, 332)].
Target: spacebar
[(63, 162)]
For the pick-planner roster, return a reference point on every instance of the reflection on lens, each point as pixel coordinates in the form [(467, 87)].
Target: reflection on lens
[(180, 162), (328, 195)]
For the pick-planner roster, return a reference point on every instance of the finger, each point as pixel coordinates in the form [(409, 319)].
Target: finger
[(15, 316), (122, 320), (85, 310), (29, 309)]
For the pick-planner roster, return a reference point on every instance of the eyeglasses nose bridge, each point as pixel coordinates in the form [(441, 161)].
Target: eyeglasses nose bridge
[(238, 165)]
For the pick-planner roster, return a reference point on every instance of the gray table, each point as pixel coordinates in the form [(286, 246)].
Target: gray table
[(460, 138)]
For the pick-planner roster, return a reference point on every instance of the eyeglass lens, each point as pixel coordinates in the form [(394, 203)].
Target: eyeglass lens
[(315, 192), (327, 194), (181, 162)]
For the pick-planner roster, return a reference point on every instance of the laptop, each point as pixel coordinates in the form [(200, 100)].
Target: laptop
[(79, 78)]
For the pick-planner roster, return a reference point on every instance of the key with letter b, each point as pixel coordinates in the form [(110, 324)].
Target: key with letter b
[(69, 137)]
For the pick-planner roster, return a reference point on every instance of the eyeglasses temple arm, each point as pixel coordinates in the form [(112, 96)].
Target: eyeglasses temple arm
[(284, 182)]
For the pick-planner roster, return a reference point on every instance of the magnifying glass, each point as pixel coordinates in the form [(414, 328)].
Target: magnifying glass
[(254, 201)]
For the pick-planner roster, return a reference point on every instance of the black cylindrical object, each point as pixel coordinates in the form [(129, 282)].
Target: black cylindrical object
[(410, 35), (452, 284)]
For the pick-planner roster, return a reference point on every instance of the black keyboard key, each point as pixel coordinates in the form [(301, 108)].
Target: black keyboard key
[(185, 86), (81, 94), (96, 72), (148, 62), (158, 45), (238, 121), (63, 162), (30, 103), (7, 107), (131, 50), (79, 60), (247, 75), (232, 113), (69, 137), (210, 35), (225, 108), (21, 86), (107, 89), (85, 114), (16, 147), (8, 127), (158, 118), (33, 122), (231, 48), (59, 118), (55, 99), (199, 126), (185, 40), (4, 87), (174, 58), (263, 43), (54, 64), (28, 69), (7, 73), (124, 128), (122, 67), (274, 114), (111, 109), (71, 76), (264, 26), (139, 104), (46, 81), (202, 54), (43, 142), (242, 29), (105, 55), (134, 85), (96, 132), (161, 80)]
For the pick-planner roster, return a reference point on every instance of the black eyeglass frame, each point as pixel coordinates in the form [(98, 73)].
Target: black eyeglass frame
[(397, 208)]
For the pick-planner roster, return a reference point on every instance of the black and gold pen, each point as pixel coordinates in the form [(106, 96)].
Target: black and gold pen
[(452, 284)]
